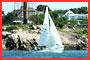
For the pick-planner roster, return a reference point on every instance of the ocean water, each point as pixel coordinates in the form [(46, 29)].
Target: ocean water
[(36, 54)]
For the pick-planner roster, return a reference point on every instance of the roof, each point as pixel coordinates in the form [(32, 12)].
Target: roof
[(69, 12), (17, 21), (77, 15)]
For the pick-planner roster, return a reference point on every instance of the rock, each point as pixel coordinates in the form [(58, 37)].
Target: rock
[(3, 29), (78, 47), (4, 35), (34, 39), (38, 27), (10, 44), (4, 47), (38, 32), (33, 27), (77, 37), (13, 31), (28, 48), (84, 39), (21, 47), (21, 40), (84, 42), (28, 40), (19, 43)]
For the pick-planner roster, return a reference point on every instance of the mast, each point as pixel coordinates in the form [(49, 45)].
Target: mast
[(25, 10)]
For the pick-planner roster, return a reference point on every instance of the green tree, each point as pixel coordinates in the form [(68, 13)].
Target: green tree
[(3, 13), (34, 18), (42, 8), (84, 22), (73, 22), (41, 18), (80, 10), (8, 19), (60, 22), (84, 10), (3, 17), (56, 12), (75, 10)]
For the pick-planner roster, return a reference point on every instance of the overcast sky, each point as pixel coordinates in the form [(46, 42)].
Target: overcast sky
[(10, 6)]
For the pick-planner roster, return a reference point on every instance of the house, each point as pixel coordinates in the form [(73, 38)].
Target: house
[(19, 14), (72, 16)]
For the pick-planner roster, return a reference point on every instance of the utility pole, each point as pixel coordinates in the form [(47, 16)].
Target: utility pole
[(25, 12)]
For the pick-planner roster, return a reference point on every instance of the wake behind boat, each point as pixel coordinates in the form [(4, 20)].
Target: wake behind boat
[(49, 37)]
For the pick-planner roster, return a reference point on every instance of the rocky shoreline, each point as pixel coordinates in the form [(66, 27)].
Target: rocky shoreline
[(28, 40)]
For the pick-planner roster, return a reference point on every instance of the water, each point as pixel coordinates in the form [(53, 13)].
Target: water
[(35, 54)]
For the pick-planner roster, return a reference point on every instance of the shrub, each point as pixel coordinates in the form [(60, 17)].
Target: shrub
[(25, 26), (30, 25), (13, 27), (38, 27), (60, 25), (85, 31)]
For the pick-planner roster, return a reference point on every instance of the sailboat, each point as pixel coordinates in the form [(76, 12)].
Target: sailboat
[(49, 36)]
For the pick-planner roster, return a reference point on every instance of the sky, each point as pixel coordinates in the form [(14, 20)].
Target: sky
[(10, 6)]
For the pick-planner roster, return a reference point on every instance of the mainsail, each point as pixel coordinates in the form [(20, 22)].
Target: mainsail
[(45, 30), (49, 36)]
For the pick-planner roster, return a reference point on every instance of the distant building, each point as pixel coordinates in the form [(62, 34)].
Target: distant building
[(31, 11), (19, 14), (72, 16), (17, 22)]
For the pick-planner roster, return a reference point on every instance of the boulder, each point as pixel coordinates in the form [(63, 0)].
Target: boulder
[(3, 29), (13, 31), (4, 35), (10, 44), (33, 27)]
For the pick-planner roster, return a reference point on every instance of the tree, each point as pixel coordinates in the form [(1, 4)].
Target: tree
[(41, 18), (84, 23), (3, 16), (35, 18), (8, 19), (60, 22), (3, 13), (56, 12), (75, 10), (42, 8), (80, 10), (73, 22), (84, 10)]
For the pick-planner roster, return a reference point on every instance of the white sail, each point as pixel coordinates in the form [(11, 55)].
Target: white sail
[(49, 36), (54, 38), (45, 31)]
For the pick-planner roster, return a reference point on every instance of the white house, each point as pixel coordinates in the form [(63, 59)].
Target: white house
[(72, 16)]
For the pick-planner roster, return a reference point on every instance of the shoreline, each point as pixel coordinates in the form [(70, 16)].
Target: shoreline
[(28, 39)]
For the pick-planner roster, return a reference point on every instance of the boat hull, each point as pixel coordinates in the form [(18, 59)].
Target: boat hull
[(52, 50)]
